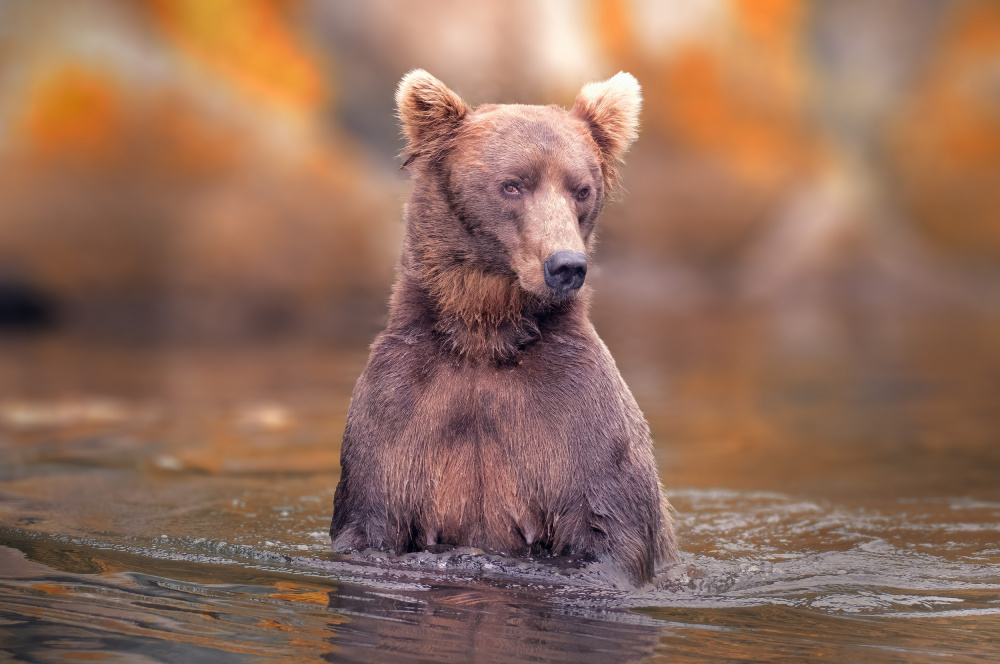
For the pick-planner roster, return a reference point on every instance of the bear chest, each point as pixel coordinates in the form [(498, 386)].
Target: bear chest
[(489, 415), (488, 454), (484, 452)]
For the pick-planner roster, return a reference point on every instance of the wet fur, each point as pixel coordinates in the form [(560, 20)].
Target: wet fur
[(490, 414)]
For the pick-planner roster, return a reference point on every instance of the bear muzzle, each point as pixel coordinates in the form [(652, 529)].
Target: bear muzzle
[(565, 271)]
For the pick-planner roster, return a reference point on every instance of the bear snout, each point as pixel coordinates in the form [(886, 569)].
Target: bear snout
[(565, 271)]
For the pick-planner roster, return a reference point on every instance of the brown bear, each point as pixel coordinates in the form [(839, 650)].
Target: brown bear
[(490, 413)]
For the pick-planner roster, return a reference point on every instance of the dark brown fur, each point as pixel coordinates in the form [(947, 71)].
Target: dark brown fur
[(490, 413)]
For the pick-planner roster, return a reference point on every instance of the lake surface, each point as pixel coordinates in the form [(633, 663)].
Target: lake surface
[(836, 481)]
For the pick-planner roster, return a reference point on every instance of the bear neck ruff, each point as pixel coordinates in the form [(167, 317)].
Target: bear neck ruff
[(478, 317)]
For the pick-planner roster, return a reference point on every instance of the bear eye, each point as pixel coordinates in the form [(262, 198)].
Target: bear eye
[(583, 194), (511, 188)]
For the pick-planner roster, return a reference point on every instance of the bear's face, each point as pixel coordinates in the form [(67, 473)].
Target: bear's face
[(529, 179), (526, 182)]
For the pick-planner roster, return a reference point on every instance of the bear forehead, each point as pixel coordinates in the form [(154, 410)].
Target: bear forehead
[(510, 131)]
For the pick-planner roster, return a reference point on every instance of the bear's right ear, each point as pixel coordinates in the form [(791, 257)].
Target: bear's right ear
[(611, 110), (429, 112)]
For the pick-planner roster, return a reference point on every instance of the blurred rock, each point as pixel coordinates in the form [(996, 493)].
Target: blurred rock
[(208, 199), (219, 170), (25, 308)]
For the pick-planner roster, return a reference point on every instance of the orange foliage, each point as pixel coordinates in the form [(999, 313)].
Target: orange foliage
[(82, 115), (947, 143), (615, 31), (74, 111), (742, 104), (190, 143), (959, 91), (771, 25), (699, 104), (249, 41)]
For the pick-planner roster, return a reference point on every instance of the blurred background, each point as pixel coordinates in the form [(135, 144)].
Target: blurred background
[(180, 169)]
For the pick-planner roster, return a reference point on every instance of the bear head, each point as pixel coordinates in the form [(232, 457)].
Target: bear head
[(506, 196)]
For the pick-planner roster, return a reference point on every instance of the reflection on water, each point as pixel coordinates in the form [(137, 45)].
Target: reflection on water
[(171, 504)]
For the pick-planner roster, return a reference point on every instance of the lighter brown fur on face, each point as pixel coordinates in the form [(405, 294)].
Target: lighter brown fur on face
[(552, 226)]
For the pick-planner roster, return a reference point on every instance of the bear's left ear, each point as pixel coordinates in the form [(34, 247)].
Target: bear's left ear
[(611, 109), (429, 112)]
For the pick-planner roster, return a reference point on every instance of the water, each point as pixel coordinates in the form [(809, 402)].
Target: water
[(839, 502)]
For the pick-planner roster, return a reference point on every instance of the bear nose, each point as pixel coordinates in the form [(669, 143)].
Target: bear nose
[(565, 271)]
